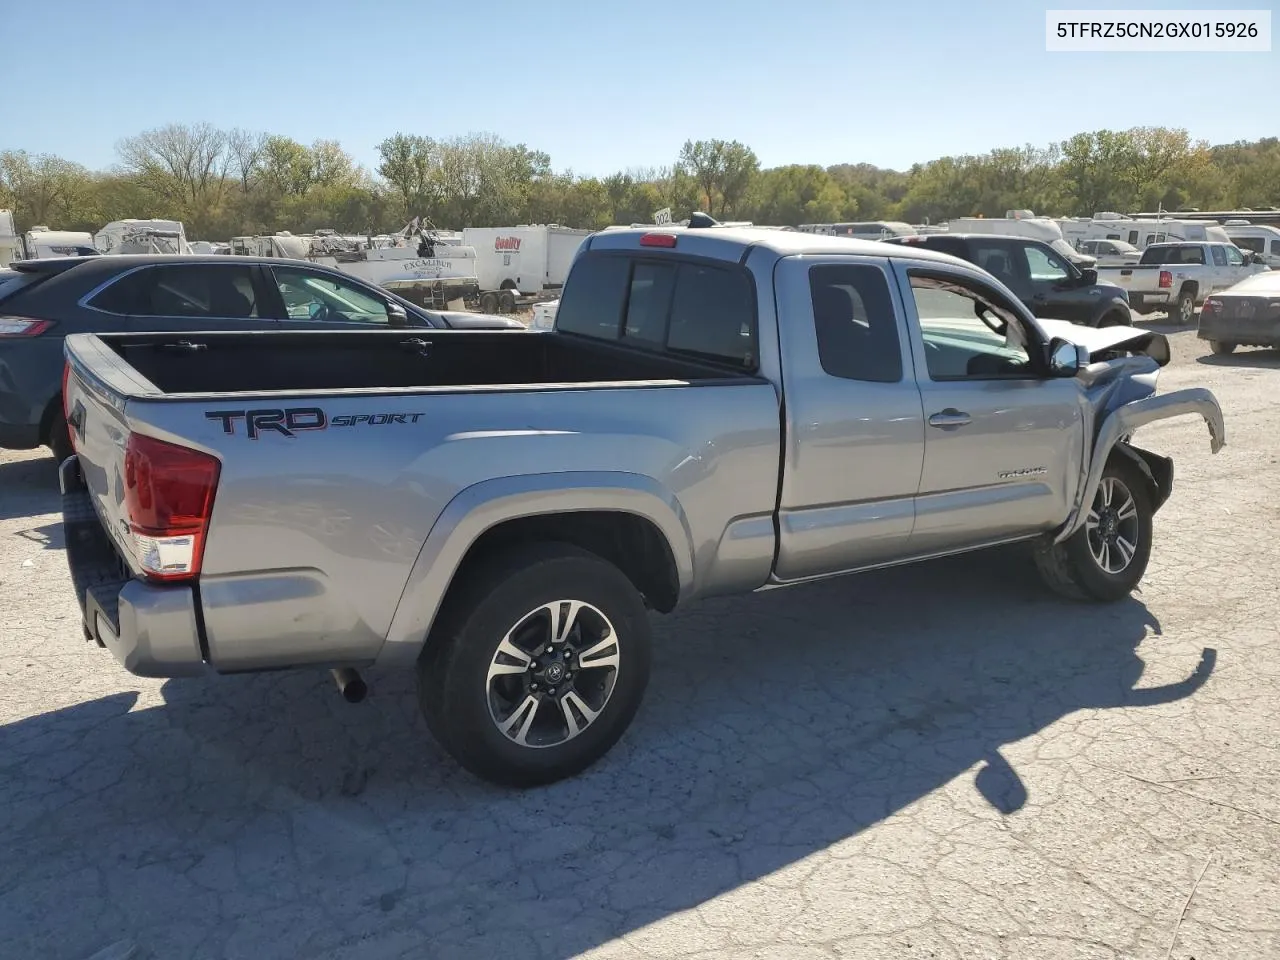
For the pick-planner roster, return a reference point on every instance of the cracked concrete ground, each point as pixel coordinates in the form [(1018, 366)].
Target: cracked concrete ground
[(935, 762)]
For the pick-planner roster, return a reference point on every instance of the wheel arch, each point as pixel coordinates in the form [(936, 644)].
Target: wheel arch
[(1112, 440), (629, 519)]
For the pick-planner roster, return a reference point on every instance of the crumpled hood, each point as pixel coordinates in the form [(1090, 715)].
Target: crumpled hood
[(1100, 339)]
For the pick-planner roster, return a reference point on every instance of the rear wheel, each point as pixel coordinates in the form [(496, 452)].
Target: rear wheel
[(1105, 558), (1222, 347), (506, 302), (537, 665), (489, 302), (57, 434), (1185, 309)]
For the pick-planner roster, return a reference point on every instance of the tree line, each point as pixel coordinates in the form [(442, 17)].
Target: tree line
[(224, 183)]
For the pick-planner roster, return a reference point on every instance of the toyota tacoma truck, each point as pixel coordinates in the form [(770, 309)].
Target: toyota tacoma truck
[(1175, 278), (716, 411)]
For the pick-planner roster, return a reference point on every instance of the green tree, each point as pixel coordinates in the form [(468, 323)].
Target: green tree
[(723, 171)]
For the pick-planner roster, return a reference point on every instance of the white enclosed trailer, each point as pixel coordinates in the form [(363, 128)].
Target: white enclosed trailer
[(10, 242), (528, 260), (39, 243)]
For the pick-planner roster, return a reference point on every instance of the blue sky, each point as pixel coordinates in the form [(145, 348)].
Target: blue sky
[(607, 84)]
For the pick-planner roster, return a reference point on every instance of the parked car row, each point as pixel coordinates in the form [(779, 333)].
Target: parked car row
[(44, 301)]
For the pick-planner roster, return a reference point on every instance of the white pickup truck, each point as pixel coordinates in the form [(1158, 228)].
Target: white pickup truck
[(1175, 278)]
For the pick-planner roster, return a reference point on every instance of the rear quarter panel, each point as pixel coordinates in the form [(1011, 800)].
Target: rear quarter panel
[(313, 537)]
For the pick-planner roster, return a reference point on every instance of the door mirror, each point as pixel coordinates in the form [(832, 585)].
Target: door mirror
[(1066, 358), (1088, 276), (314, 309), (396, 315)]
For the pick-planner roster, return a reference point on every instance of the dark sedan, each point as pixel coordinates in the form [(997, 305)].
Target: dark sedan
[(1244, 315), (42, 301)]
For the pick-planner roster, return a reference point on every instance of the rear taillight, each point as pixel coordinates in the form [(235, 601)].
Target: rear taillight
[(1210, 307), (657, 240), (168, 496), (1166, 279), (23, 326), (66, 407)]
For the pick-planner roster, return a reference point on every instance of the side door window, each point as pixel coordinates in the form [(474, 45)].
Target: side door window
[(855, 325), (321, 298), (1234, 257), (1003, 261), (188, 295), (968, 335)]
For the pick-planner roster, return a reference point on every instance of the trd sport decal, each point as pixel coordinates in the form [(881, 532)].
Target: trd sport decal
[(290, 421)]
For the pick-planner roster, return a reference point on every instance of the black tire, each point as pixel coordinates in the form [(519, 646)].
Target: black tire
[(506, 302), (1222, 347), (1073, 569), (1114, 318), (58, 438), (462, 702), (1184, 310), (489, 302)]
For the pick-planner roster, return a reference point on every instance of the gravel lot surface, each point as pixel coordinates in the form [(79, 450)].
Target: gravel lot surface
[(934, 762)]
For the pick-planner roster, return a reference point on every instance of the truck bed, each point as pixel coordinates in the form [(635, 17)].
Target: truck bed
[(270, 361)]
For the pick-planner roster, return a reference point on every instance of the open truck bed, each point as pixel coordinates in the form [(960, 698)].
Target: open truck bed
[(266, 362)]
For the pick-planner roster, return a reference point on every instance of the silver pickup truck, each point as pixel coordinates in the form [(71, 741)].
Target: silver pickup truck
[(717, 410)]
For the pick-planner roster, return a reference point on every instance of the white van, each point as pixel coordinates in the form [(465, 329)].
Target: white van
[(1262, 240)]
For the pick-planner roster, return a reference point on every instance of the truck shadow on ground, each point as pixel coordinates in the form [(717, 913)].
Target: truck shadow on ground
[(1243, 357), (28, 488), (261, 816)]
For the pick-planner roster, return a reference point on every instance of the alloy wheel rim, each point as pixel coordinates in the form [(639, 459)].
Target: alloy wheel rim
[(1113, 526), (553, 673)]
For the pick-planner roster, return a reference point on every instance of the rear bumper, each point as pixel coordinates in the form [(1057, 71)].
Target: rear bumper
[(1259, 331), (150, 628), (1154, 301)]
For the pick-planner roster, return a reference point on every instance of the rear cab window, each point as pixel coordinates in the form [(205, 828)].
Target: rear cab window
[(689, 308)]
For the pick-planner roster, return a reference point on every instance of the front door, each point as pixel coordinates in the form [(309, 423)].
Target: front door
[(854, 425), (1003, 441), (313, 299)]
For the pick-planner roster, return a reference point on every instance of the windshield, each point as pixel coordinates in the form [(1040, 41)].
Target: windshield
[(1065, 249)]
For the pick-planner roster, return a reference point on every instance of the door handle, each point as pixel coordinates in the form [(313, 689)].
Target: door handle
[(950, 417)]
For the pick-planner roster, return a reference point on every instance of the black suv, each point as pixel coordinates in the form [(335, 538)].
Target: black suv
[(1048, 283), (42, 301)]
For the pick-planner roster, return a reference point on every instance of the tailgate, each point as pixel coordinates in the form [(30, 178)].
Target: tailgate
[(99, 427)]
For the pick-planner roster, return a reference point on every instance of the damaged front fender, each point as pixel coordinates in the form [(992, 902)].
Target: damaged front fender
[(1128, 417)]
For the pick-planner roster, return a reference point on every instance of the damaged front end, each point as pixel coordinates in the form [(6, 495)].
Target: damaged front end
[(1119, 397)]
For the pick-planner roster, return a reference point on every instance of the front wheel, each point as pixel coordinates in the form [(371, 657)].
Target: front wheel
[(1222, 347), (1105, 558), (1116, 319), (537, 665)]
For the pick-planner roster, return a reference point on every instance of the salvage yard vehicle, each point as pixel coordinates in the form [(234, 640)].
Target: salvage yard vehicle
[(716, 411), (1245, 315), (1175, 278), (42, 301), (1049, 285)]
